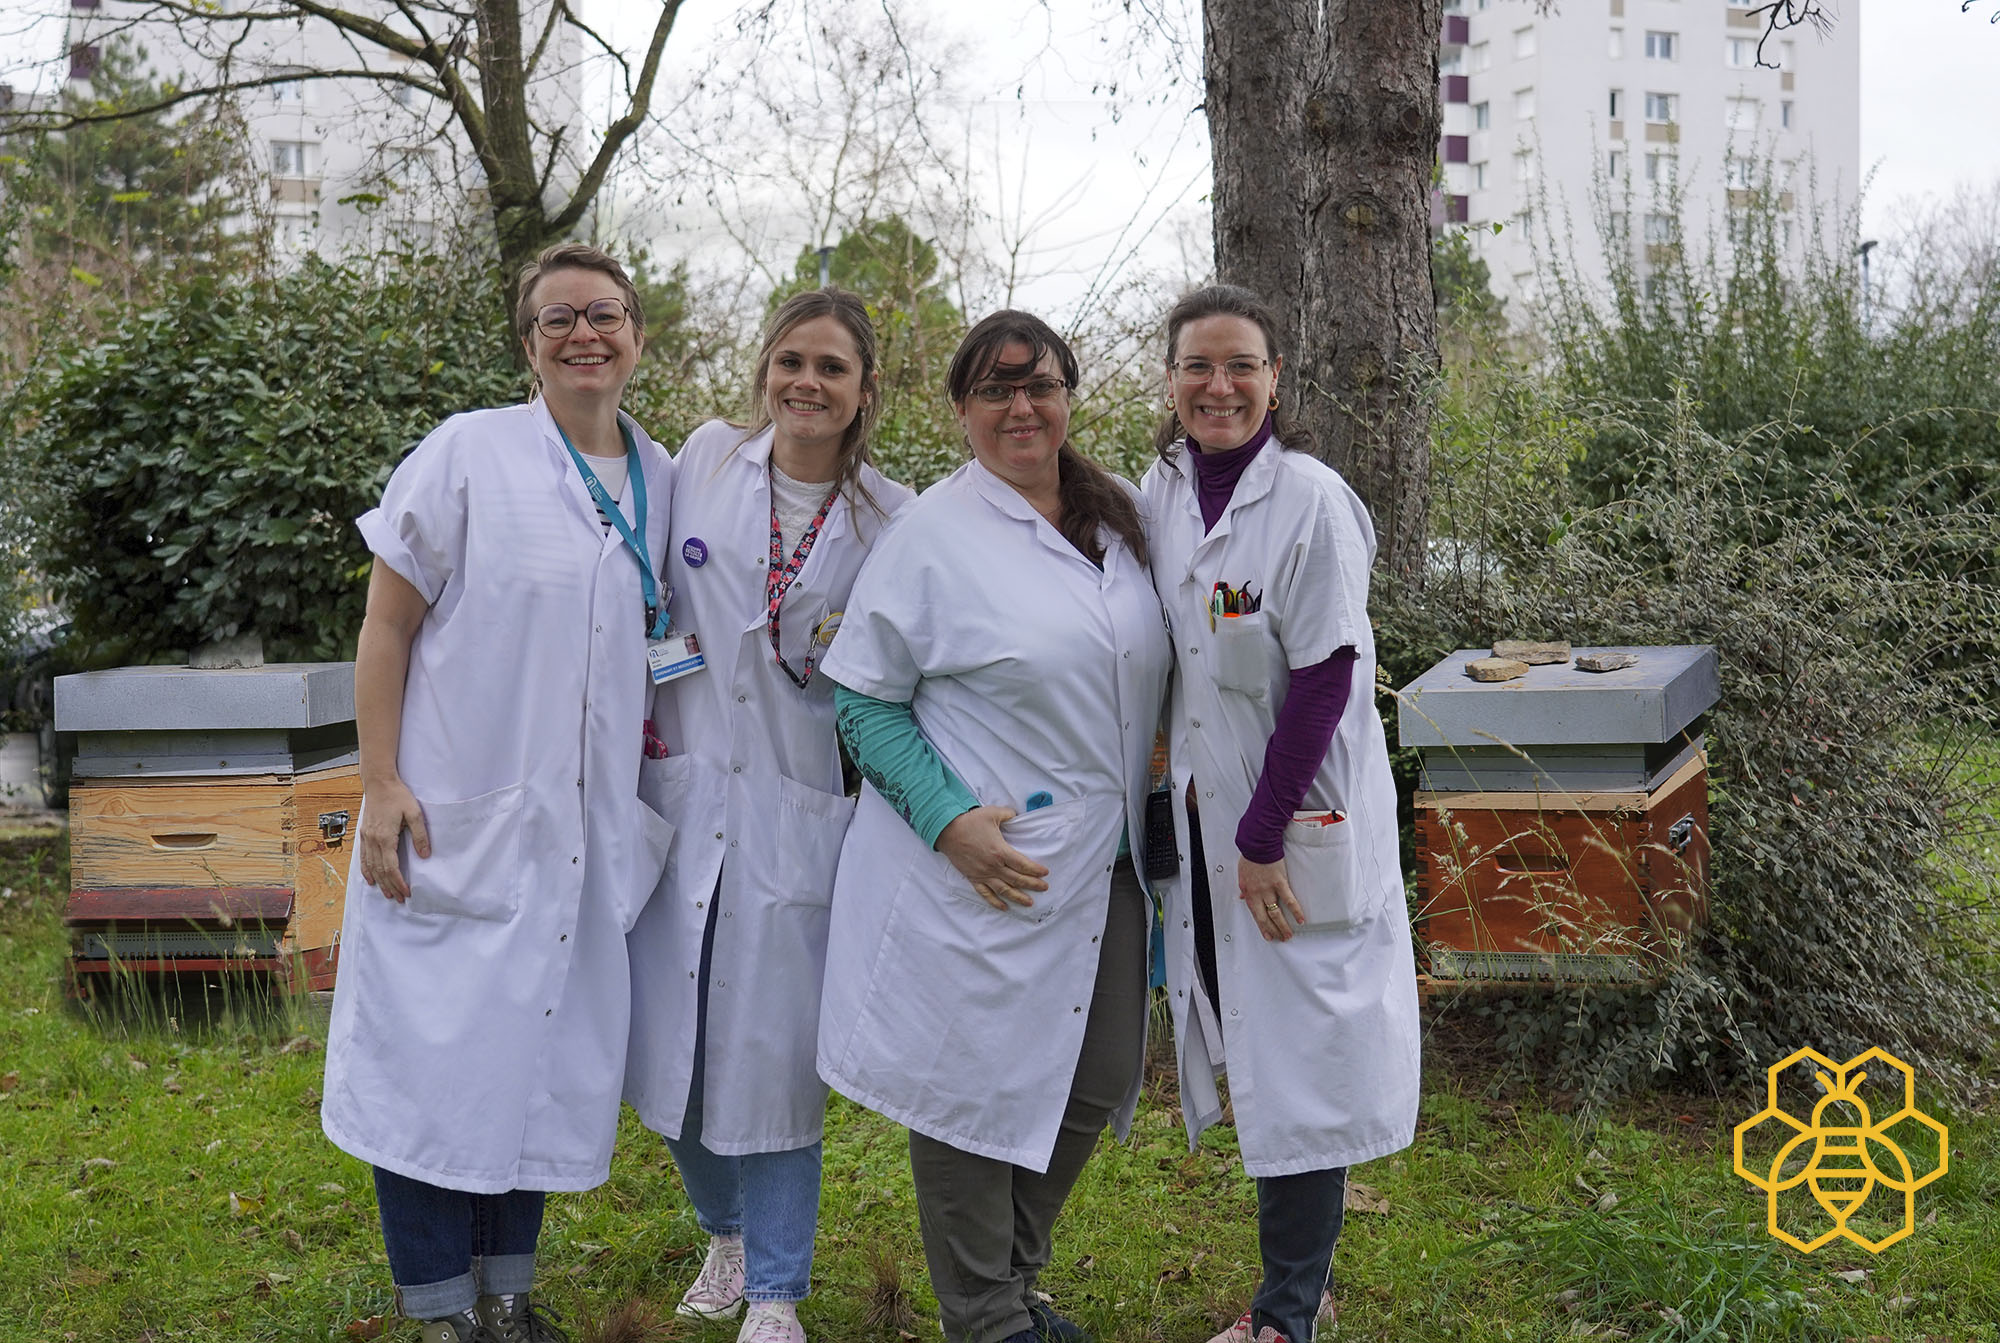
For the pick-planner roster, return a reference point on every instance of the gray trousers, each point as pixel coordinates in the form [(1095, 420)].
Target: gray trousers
[(985, 1222)]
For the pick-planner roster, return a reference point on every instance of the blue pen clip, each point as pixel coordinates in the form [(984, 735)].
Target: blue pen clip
[(1038, 800)]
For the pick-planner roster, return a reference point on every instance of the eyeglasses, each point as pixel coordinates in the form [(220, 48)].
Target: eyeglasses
[(556, 320), (1196, 371), (1040, 391)]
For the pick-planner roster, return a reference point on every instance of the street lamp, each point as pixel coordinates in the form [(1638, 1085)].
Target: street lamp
[(826, 264)]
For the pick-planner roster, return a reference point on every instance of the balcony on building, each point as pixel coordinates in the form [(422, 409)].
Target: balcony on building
[(1457, 30), (1457, 209), (1457, 88), (1456, 148)]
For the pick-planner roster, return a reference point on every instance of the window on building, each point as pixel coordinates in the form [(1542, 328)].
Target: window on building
[(83, 60), (1524, 166), (293, 158), (1786, 54), (1656, 288), (414, 168), (1738, 173), (1785, 232), (1524, 104), (1742, 53), (291, 92), (1454, 6), (1615, 48), (1619, 225), (1454, 64), (1659, 228), (1742, 228), (1617, 103), (1483, 5), (1524, 43), (1661, 46), (1482, 56), (1741, 115), (1785, 114), (1615, 164), (1660, 107), (1656, 167), (1482, 116), (83, 4), (1479, 177)]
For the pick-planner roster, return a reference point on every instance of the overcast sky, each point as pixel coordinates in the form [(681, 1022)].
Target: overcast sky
[(1117, 177)]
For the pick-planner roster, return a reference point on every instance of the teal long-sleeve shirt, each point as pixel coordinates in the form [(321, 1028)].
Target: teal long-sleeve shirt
[(883, 740)]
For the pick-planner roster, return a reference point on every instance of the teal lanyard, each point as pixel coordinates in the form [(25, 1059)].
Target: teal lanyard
[(649, 587)]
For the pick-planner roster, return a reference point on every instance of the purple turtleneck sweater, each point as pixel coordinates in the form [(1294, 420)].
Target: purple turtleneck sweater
[(1315, 696)]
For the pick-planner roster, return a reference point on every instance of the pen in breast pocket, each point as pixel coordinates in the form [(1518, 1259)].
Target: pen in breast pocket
[(1318, 818)]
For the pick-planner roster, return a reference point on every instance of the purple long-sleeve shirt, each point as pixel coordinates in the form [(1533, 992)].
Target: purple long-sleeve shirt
[(1315, 697)]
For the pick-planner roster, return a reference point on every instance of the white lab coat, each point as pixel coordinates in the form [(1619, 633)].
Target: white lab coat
[(753, 788), (1320, 1033), (1029, 670), (478, 1032)]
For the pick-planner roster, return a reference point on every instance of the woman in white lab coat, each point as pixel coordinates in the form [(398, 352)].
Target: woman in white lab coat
[(478, 1033), (1288, 945), (771, 524), (1000, 673)]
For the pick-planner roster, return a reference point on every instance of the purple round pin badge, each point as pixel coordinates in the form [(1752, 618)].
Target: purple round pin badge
[(695, 551)]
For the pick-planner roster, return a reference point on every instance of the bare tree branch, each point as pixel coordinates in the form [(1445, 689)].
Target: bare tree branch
[(1780, 15), (620, 130)]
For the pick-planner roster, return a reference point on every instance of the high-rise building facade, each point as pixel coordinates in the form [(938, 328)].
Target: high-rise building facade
[(1579, 128)]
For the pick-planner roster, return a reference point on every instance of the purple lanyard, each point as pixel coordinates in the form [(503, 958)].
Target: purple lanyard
[(779, 580)]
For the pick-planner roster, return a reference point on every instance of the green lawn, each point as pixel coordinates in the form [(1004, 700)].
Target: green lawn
[(168, 1181)]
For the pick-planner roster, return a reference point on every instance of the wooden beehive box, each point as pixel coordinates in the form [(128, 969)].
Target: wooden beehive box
[(212, 819), (1562, 830), (1581, 887)]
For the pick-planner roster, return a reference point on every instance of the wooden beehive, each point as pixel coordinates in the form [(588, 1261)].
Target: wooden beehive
[(1562, 830), (212, 819), (1590, 887)]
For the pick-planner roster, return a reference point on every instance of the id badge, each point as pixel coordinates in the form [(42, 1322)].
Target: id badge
[(675, 656)]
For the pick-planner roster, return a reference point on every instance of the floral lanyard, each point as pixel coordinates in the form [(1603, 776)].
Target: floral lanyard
[(779, 580)]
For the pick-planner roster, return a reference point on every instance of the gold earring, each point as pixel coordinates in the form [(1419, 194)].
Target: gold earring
[(1274, 400)]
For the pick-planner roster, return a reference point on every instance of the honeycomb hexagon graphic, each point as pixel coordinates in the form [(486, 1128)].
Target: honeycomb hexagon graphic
[(1842, 1170)]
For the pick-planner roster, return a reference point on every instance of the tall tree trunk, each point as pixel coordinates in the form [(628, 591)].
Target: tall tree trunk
[(1324, 119)]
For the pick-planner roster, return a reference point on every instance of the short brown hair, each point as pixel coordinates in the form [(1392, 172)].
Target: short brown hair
[(1229, 300), (572, 256)]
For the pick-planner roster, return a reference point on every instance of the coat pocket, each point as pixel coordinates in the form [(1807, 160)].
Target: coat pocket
[(474, 871), (663, 784), (810, 827), (653, 839), (1325, 874), (1242, 654), (1046, 835)]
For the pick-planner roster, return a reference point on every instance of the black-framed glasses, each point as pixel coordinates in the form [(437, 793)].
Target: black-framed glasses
[(1197, 371), (556, 320), (1040, 391)]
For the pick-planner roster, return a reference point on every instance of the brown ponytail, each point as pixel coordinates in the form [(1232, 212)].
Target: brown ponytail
[(1091, 496)]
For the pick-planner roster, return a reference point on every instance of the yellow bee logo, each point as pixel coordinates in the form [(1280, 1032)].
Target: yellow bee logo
[(1842, 1170)]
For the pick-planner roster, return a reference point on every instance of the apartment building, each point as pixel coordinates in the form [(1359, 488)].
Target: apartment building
[(349, 161), (1572, 127)]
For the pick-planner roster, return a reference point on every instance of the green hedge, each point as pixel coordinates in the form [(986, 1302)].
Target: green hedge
[(197, 472)]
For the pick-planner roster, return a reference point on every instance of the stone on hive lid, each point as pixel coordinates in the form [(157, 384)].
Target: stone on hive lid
[(1495, 669), (1534, 654), (1606, 662)]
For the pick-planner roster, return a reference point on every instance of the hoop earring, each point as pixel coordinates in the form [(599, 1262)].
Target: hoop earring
[(1274, 400)]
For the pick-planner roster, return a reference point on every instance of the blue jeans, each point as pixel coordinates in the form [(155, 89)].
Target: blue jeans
[(447, 1247), (771, 1199), (1298, 1224)]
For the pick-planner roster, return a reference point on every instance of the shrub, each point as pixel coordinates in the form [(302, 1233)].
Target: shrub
[(196, 473), (1851, 895)]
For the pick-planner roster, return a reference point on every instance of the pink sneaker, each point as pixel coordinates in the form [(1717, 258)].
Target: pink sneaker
[(1238, 1332), (772, 1322), (717, 1293), (1326, 1317)]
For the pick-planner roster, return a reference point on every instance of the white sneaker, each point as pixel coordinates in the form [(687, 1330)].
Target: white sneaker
[(1238, 1332), (1327, 1317), (772, 1322), (717, 1293)]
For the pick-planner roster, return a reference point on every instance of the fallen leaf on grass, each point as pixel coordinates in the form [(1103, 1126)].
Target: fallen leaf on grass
[(98, 1163), (8, 1081), (1899, 1304), (363, 1330), (310, 1100), (211, 1149), (331, 1188), (1360, 1198), (1083, 1265), (242, 1203), (1608, 1201), (138, 1064), (298, 1044), (1852, 1275), (294, 1239), (172, 1086)]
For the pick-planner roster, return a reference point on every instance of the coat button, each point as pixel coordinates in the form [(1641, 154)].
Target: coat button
[(1209, 793), (563, 938), (1218, 867), (579, 783), (600, 629), (690, 974), (1227, 938), (1076, 1009), (740, 699), (1193, 649), (1194, 722), (718, 834), (576, 860), (1186, 924), (1093, 941), (697, 904), (736, 769), (551, 1012), (1127, 653)]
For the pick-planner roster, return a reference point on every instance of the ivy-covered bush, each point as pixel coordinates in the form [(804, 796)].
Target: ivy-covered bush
[(196, 473)]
